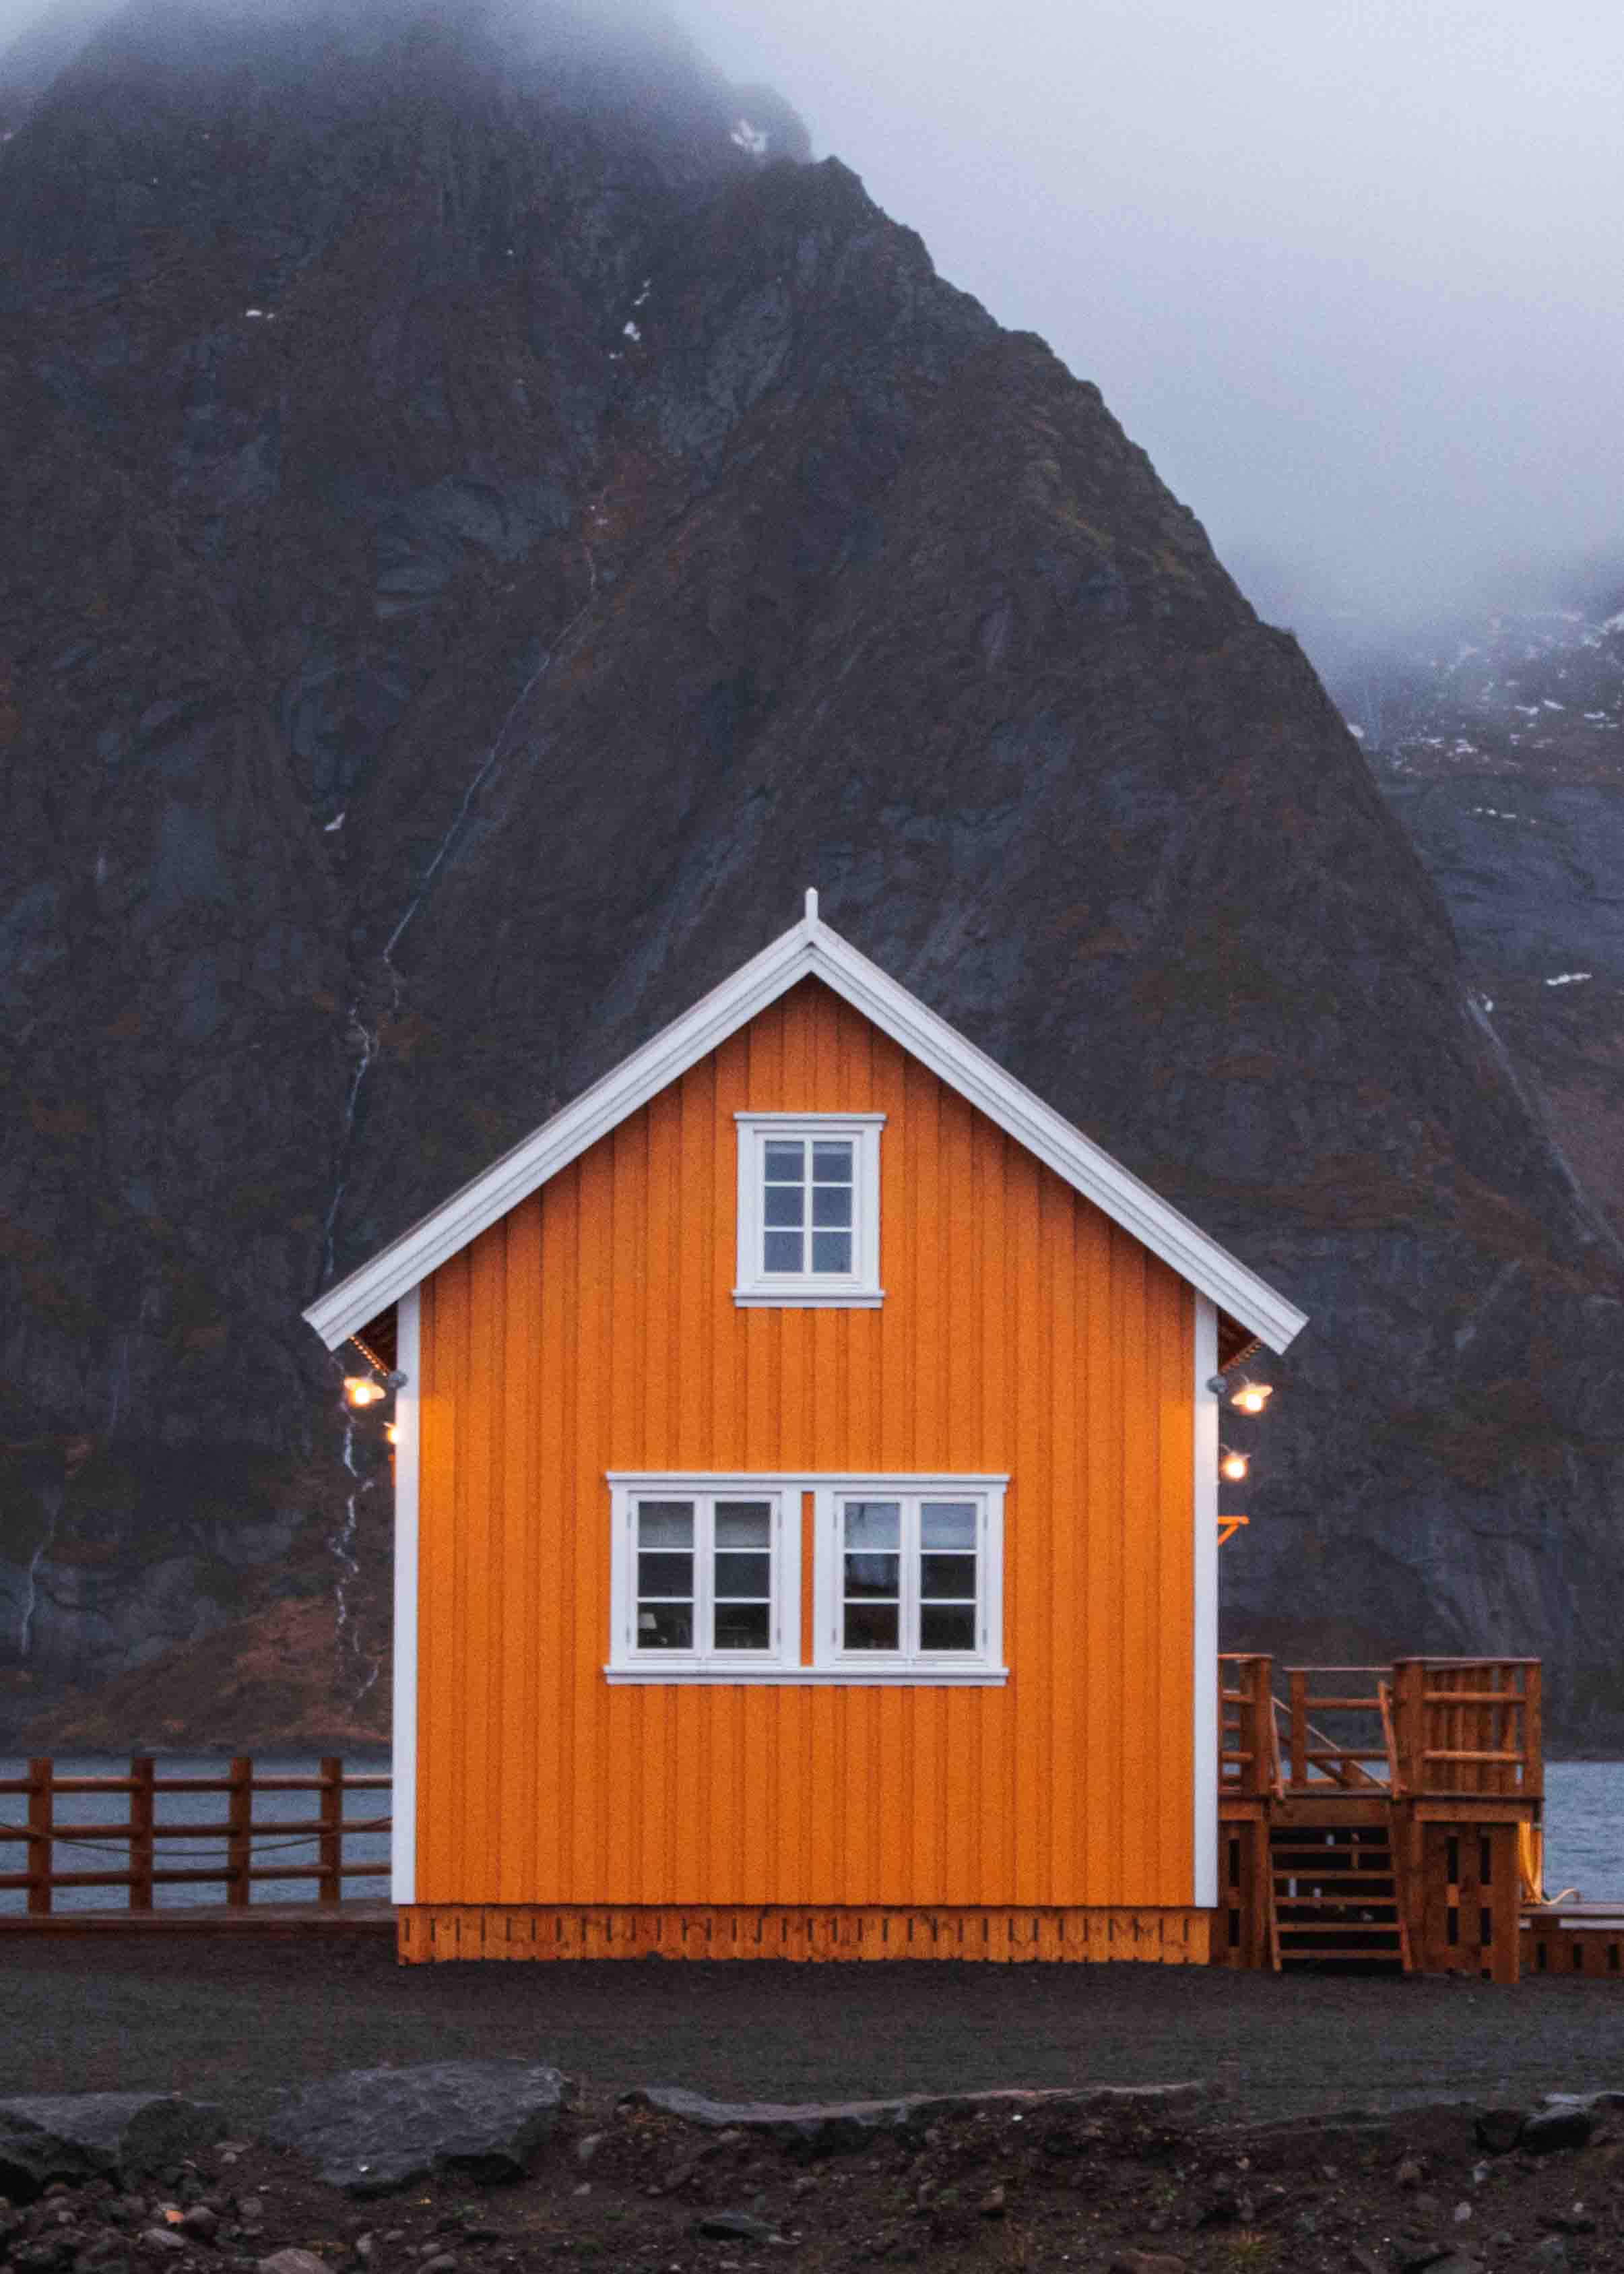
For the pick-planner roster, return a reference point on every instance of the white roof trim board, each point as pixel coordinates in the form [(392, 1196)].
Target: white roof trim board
[(809, 950)]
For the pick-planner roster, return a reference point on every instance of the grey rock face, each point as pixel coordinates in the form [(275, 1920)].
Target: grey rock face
[(372, 2130), (116, 2135)]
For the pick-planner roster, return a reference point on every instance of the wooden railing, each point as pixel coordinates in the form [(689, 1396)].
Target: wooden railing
[(143, 1836), (1315, 1759), (1248, 1747), (1430, 1728), (1469, 1726)]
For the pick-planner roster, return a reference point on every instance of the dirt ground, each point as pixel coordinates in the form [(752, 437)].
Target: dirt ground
[(631, 2192), (235, 2020)]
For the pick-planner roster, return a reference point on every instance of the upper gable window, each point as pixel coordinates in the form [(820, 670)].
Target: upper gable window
[(809, 1209)]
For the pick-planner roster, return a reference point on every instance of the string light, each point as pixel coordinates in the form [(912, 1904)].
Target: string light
[(361, 1390)]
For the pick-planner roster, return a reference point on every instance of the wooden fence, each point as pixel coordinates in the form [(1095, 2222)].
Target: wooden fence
[(143, 1836)]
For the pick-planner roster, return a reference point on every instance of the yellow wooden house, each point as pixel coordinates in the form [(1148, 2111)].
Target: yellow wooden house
[(807, 1517)]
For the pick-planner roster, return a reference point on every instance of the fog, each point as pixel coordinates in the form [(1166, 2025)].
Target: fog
[(1344, 267)]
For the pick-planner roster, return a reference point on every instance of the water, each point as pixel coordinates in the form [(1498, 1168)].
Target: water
[(1584, 1829), (197, 1852)]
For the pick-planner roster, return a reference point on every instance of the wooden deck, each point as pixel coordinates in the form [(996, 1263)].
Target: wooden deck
[(1388, 1817), (297, 1919)]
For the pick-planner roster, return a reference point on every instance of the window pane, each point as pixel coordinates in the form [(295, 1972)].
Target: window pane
[(831, 1161), (665, 1575), (786, 1161), (832, 1251), (744, 1574), (665, 1524), (878, 1576), (947, 1523), (782, 1251), (831, 1204), (743, 1523), (872, 1524), (742, 1626), (665, 1626), (951, 1578), (947, 1626), (784, 1204), (871, 1626)]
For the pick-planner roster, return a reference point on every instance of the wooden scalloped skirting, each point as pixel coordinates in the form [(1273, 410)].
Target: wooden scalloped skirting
[(429, 1932)]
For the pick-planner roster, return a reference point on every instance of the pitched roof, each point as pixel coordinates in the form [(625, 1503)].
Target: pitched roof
[(809, 949)]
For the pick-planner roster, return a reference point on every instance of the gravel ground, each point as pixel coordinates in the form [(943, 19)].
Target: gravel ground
[(236, 2020)]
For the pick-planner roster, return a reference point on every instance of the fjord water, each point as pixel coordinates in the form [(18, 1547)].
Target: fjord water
[(1584, 1831), (198, 1851)]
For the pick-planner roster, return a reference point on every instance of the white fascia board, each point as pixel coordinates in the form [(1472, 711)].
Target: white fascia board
[(407, 1262), (807, 950), (1083, 1165)]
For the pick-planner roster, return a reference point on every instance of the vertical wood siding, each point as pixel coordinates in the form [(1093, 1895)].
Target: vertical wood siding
[(594, 1328)]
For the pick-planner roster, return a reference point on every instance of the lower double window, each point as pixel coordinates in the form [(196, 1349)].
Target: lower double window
[(905, 1584)]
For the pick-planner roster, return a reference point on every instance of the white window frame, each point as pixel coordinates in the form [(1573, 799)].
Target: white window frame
[(909, 1663), (626, 1659), (982, 1668), (858, 1289)]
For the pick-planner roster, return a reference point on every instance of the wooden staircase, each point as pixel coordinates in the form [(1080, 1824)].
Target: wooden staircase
[(1332, 1897), (1381, 1819)]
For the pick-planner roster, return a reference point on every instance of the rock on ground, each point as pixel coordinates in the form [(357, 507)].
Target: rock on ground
[(834, 2125), (84, 2135), (370, 2130)]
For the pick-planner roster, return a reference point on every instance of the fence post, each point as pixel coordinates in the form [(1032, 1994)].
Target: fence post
[(239, 1834), (143, 1775), (330, 1886), (41, 1847), (1410, 1682), (1533, 1732)]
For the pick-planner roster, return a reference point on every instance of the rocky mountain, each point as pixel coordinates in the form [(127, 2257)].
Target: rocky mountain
[(486, 523), (1499, 744)]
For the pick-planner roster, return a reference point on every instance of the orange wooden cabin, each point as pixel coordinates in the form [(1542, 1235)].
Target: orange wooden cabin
[(806, 1508)]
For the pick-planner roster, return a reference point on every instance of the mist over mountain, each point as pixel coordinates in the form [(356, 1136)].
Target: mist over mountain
[(487, 523)]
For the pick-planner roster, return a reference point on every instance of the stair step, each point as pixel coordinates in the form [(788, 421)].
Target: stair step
[(1392, 1958), (1339, 1927), (1320, 1899)]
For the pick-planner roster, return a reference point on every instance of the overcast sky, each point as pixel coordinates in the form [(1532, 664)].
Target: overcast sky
[(1347, 269)]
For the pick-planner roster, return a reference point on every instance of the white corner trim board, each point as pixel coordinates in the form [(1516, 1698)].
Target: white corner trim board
[(408, 1409), (1204, 1515), (807, 950)]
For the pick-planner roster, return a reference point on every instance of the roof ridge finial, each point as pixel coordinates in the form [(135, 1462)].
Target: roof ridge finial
[(811, 904)]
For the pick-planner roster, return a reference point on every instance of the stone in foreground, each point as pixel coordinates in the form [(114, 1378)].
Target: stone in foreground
[(830, 2127), (370, 2130), (90, 2136)]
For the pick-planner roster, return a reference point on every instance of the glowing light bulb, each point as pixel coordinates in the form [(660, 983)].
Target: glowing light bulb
[(1235, 1466), (1253, 1396), (392, 1433), (361, 1390)]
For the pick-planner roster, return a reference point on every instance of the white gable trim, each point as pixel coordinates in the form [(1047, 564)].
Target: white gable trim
[(809, 950)]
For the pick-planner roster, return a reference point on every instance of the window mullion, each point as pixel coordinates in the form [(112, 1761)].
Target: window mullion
[(909, 1637), (705, 1575)]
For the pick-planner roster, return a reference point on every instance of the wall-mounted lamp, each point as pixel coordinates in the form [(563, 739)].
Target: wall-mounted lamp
[(361, 1390), (1253, 1396), (1234, 1465), (391, 1433)]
